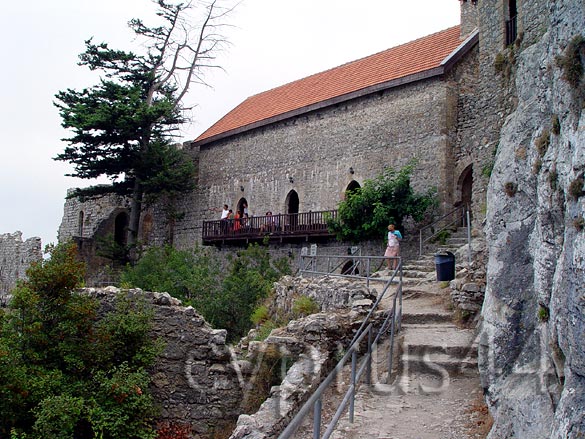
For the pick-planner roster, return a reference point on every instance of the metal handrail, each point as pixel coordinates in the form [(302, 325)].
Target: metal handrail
[(367, 261), (463, 216), (393, 319)]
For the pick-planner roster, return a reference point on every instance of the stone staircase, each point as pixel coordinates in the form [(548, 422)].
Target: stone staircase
[(434, 372)]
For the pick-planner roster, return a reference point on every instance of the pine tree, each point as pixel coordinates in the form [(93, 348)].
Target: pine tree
[(124, 127)]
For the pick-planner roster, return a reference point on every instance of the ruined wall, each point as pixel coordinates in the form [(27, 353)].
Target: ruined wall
[(532, 359), (195, 380), (16, 256)]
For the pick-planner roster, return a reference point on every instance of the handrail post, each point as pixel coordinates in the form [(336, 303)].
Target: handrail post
[(353, 376), (317, 419), (369, 354), (368, 274), (468, 239), (391, 354)]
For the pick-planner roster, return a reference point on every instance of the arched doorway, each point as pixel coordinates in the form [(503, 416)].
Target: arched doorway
[(466, 185), (242, 207), (352, 186), (292, 209), (120, 227), (350, 267)]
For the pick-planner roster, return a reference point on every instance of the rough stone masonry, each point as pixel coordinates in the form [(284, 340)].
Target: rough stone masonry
[(16, 256)]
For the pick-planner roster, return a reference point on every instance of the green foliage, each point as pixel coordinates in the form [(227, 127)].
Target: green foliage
[(188, 275), (124, 127), (543, 313), (61, 366), (250, 279), (260, 315), (487, 169), (225, 300), (304, 306), (388, 198)]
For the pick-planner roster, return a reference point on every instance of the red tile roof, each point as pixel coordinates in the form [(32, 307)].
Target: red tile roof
[(391, 65)]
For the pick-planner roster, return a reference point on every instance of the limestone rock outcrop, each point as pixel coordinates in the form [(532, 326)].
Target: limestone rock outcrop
[(532, 357)]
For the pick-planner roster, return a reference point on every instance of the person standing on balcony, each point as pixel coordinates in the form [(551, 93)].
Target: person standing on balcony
[(393, 247)]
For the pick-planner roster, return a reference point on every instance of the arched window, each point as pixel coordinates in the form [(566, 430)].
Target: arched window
[(120, 226), (80, 224)]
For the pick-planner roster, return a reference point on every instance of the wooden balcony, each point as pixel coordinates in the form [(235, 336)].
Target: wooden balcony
[(287, 227)]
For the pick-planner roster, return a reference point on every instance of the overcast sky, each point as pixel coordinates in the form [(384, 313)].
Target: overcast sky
[(272, 42)]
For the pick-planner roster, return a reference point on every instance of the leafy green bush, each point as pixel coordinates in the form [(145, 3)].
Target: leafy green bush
[(225, 300), (61, 366), (388, 198), (184, 274), (304, 306)]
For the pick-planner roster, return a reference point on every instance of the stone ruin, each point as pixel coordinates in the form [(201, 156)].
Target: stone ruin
[(16, 256)]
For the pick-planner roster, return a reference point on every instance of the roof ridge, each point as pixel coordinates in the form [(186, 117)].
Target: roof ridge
[(417, 58), (355, 60)]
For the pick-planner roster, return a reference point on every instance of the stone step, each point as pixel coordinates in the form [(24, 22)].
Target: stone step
[(424, 309), (435, 363), (438, 338), (415, 273), (419, 266)]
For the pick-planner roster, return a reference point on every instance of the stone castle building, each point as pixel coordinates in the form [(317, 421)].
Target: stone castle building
[(298, 148)]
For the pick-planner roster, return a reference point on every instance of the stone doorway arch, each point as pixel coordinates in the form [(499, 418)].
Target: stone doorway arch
[(352, 186), (120, 228), (465, 186), (292, 208), (242, 204), (292, 202)]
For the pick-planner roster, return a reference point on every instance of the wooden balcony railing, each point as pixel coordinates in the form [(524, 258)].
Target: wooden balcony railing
[(277, 227)]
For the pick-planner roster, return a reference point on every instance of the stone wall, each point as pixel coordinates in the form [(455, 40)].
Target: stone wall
[(16, 256), (195, 380), (317, 150), (532, 359), (83, 219)]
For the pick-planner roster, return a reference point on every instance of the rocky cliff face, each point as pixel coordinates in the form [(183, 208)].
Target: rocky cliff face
[(532, 354)]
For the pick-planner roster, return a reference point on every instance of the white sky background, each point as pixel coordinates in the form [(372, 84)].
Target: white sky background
[(272, 42)]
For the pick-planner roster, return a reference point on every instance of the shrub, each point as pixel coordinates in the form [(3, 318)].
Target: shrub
[(576, 188), (366, 213), (63, 371), (542, 142), (555, 125), (579, 223), (537, 166), (570, 61), (304, 306), (260, 315), (510, 188), (553, 177), (487, 169), (543, 313)]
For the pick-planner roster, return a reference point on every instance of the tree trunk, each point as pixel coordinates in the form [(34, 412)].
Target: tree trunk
[(134, 221)]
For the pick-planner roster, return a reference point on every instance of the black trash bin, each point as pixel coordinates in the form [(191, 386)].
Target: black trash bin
[(445, 266)]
